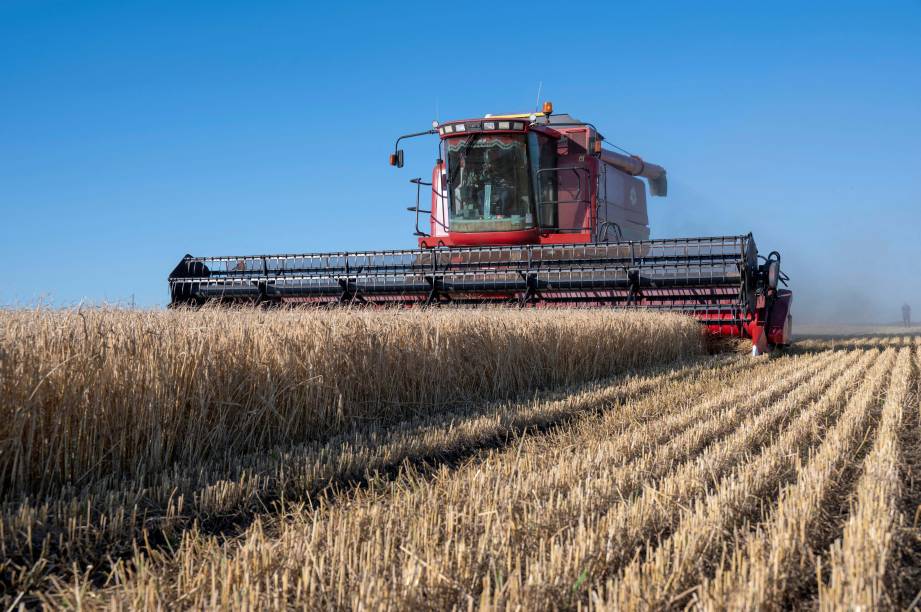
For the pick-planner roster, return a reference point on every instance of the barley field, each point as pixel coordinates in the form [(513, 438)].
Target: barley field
[(448, 460)]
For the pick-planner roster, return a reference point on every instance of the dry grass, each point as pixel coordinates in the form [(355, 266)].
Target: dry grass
[(723, 482)]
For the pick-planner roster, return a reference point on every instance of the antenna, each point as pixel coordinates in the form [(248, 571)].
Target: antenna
[(436, 109), (540, 84)]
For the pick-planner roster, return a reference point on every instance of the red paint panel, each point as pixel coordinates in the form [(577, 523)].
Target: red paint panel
[(526, 236), (777, 329)]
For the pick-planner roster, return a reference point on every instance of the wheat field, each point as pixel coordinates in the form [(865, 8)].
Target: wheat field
[(447, 460)]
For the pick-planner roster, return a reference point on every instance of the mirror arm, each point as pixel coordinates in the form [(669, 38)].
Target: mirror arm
[(396, 145)]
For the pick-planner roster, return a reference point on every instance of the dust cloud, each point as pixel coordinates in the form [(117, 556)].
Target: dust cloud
[(853, 282)]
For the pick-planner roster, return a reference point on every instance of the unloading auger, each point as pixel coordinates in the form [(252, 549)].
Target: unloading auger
[(526, 210)]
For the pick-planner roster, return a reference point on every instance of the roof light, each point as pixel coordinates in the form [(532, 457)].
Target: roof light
[(548, 107), (460, 127), (517, 125), (449, 129), (489, 125), (503, 125)]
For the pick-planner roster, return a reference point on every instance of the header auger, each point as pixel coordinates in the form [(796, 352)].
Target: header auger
[(527, 210)]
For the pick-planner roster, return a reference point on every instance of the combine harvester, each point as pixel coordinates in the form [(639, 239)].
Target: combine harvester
[(529, 210)]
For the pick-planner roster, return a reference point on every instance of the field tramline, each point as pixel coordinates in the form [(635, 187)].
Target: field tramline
[(497, 459)]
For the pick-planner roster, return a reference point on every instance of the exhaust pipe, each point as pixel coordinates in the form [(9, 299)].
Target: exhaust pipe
[(634, 166)]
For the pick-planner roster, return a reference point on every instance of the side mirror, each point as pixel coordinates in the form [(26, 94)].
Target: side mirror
[(396, 159)]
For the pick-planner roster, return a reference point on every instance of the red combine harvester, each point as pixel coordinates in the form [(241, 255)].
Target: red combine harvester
[(530, 210)]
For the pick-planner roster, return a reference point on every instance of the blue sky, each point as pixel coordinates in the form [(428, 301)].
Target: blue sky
[(134, 132)]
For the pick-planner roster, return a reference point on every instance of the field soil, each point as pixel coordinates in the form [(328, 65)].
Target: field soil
[(468, 460)]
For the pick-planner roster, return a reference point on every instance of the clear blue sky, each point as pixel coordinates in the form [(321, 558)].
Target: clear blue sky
[(134, 132)]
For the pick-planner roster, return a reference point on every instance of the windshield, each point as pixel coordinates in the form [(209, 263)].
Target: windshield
[(488, 179)]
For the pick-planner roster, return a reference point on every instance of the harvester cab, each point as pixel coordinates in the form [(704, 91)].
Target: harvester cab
[(526, 210), (532, 179)]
